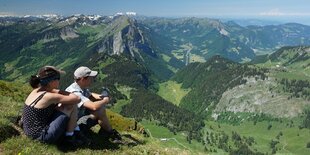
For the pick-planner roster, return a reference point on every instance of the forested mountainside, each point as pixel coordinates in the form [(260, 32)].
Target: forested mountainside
[(208, 81), (278, 87), (270, 97), (287, 56), (204, 38)]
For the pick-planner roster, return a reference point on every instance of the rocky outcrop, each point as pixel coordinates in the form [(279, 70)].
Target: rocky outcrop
[(128, 40), (256, 96), (118, 46), (68, 33)]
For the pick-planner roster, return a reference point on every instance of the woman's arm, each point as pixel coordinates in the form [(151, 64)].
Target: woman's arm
[(64, 97)]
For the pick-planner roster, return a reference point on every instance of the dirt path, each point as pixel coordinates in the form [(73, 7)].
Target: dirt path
[(167, 139), (284, 149)]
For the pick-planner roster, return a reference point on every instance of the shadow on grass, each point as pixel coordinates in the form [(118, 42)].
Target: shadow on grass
[(7, 131), (101, 143), (98, 142)]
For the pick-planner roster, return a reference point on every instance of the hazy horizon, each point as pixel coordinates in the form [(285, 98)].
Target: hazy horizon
[(273, 10)]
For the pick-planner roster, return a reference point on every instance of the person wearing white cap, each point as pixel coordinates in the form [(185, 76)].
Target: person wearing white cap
[(92, 106)]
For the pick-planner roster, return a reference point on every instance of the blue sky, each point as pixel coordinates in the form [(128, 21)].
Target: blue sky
[(273, 9)]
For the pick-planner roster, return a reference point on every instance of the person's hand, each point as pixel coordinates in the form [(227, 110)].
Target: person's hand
[(105, 92)]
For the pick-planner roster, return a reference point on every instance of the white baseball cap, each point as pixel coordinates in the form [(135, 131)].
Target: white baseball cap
[(84, 72)]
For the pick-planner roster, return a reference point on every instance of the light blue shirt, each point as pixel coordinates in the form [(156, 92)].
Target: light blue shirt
[(84, 94)]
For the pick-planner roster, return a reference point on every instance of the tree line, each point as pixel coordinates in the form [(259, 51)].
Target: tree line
[(298, 88), (210, 80)]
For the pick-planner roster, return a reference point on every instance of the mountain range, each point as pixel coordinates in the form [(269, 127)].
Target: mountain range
[(215, 70), (164, 45)]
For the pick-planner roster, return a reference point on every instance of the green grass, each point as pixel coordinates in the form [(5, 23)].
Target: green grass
[(91, 30), (268, 64), (196, 58), (174, 70), (178, 54), (172, 92), (67, 62), (292, 74), (117, 107), (103, 64), (158, 132), (165, 57), (297, 70), (126, 90), (37, 46), (293, 141), (10, 65), (23, 145), (120, 103)]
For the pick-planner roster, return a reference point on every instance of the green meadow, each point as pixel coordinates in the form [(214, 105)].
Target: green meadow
[(172, 91), (169, 139), (292, 139)]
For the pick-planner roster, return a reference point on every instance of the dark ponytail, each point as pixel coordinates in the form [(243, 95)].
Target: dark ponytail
[(34, 81)]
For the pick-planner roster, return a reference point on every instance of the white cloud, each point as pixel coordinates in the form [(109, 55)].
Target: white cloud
[(273, 12), (277, 12)]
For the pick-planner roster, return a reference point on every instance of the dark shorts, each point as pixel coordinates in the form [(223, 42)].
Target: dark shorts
[(56, 128), (85, 120)]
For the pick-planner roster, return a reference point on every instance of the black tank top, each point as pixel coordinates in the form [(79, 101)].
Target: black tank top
[(36, 119)]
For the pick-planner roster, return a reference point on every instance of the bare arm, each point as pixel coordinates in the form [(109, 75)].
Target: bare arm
[(64, 97), (96, 104)]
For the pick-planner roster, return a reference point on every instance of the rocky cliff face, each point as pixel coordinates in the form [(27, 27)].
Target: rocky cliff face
[(125, 38), (255, 96), (68, 33)]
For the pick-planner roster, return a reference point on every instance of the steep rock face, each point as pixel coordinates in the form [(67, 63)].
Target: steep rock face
[(128, 39), (68, 33), (255, 96), (118, 47)]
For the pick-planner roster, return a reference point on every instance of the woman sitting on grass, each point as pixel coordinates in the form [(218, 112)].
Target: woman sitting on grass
[(44, 118)]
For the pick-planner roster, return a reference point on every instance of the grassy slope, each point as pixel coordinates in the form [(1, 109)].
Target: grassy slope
[(290, 72), (157, 132), (117, 107), (172, 92), (289, 62), (11, 142), (293, 141), (23, 145)]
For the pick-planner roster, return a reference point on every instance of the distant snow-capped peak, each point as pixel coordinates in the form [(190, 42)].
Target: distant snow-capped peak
[(126, 13)]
